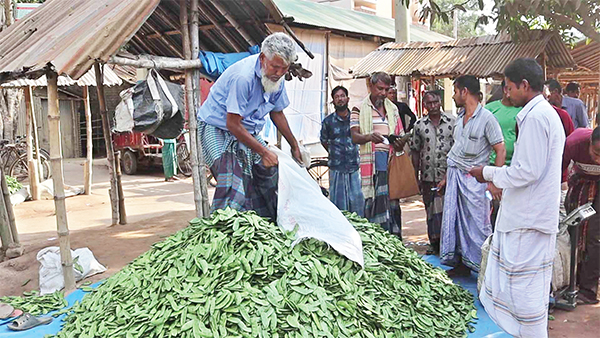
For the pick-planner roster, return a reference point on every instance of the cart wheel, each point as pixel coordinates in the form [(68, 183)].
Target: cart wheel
[(129, 163)]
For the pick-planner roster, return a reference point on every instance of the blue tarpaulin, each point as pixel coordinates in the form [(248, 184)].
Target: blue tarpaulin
[(484, 327), (214, 64)]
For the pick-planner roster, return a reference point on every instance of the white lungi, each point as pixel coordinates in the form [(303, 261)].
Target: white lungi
[(516, 287)]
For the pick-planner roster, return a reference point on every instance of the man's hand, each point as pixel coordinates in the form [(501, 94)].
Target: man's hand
[(441, 186), (495, 191), (376, 137), (297, 155), (477, 172), (269, 159), (400, 142)]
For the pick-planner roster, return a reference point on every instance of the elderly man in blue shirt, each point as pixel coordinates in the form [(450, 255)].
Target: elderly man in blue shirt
[(229, 123)]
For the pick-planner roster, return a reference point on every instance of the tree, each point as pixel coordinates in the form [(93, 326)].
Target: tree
[(467, 22), (515, 16)]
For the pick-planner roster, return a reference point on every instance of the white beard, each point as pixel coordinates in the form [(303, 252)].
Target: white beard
[(268, 85)]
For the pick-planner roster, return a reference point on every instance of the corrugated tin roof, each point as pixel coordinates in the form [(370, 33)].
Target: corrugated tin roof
[(346, 20), (484, 56), (88, 79), (71, 35), (587, 55)]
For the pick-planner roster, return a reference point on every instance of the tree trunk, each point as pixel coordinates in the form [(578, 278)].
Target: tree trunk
[(110, 154), (58, 180), (12, 101)]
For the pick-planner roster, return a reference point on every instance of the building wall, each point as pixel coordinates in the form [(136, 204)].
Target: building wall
[(72, 119)]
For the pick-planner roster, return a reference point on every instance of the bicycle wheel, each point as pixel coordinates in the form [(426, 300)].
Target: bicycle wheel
[(184, 161), (19, 169), (319, 171)]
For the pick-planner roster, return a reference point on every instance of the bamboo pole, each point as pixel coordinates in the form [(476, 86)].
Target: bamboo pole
[(122, 214), (233, 22), (58, 180), (32, 166), (196, 147), (36, 143), (226, 35), (156, 62), (110, 154), (87, 171), (189, 103)]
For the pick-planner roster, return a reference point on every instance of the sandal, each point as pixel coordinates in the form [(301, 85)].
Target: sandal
[(6, 310), (28, 321), (16, 314)]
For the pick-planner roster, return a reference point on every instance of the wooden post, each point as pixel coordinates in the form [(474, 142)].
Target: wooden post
[(5, 231), (110, 154), (87, 171), (191, 50), (36, 143), (9, 210), (58, 180), (32, 164), (122, 214)]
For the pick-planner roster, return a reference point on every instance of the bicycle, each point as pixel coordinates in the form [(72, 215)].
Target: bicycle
[(184, 160), (319, 171), (13, 159)]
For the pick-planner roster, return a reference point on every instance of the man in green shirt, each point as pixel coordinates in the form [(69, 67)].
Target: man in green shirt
[(506, 114)]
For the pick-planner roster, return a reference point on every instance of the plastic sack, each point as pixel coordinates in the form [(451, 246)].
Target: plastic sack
[(51, 274), (154, 107), (301, 203), (562, 252), (485, 251), (562, 255)]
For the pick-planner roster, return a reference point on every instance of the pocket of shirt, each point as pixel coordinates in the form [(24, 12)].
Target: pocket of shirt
[(263, 110), (474, 146)]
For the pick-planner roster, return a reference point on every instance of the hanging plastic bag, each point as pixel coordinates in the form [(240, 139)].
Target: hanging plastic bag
[(301, 203), (154, 107)]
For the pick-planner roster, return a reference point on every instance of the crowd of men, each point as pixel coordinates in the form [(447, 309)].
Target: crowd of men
[(490, 170), (515, 151)]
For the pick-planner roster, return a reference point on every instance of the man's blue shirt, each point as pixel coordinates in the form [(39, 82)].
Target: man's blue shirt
[(239, 91), (343, 154)]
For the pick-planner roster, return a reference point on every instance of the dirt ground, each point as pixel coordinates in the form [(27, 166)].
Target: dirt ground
[(156, 209)]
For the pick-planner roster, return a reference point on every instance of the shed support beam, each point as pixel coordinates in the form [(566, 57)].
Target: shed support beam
[(58, 180), (87, 169), (156, 62)]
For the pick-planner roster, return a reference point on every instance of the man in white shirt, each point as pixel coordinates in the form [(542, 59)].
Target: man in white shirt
[(519, 271)]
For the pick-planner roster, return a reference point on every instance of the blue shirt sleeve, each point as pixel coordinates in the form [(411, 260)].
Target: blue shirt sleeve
[(237, 99), (324, 131), (281, 101), (582, 115)]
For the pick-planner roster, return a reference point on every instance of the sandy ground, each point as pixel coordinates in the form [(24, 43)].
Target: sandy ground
[(156, 209)]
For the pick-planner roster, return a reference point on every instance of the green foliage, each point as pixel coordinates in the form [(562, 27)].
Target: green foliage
[(517, 16), (467, 19)]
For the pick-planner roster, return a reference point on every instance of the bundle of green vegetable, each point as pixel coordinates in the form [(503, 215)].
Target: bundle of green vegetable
[(13, 184), (235, 274), (34, 304)]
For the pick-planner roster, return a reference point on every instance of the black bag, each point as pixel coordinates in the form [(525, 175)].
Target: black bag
[(158, 108)]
